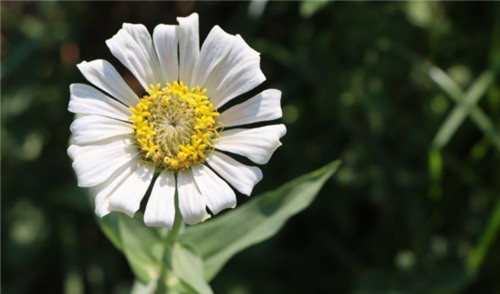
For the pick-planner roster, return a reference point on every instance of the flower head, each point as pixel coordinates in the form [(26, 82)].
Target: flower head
[(172, 136)]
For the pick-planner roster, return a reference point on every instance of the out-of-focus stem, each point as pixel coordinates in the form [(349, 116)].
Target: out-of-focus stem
[(477, 255)]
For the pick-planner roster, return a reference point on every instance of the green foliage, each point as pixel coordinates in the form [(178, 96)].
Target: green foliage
[(143, 247), (212, 243), (477, 255), (309, 7), (466, 105), (188, 266), (402, 215), (259, 219)]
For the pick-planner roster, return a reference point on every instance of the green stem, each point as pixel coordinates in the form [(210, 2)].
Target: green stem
[(176, 228), (162, 285), (477, 255)]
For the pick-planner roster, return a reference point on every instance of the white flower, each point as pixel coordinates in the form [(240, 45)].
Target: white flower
[(174, 130)]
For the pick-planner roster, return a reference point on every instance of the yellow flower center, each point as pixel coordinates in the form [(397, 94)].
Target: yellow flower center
[(175, 126)]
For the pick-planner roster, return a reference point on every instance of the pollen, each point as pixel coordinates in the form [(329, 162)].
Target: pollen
[(175, 126)]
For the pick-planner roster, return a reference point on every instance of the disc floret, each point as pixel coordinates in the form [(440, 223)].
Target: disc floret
[(175, 125)]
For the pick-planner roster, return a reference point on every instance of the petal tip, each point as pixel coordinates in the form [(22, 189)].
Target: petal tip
[(157, 223), (101, 211)]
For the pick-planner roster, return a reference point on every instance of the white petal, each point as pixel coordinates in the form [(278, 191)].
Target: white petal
[(127, 196), (142, 37), (242, 177), (166, 41), (262, 107), (189, 46), (85, 99), (103, 191), (191, 203), (93, 128), (135, 51), (214, 49), (93, 164), (257, 144), (217, 193), (103, 75), (238, 73), (160, 210)]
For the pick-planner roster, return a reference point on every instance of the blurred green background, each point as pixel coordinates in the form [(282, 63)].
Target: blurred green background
[(407, 94)]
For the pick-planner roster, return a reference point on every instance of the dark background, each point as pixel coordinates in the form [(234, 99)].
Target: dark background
[(354, 87)]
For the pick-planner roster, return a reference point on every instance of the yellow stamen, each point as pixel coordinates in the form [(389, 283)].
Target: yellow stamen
[(175, 125)]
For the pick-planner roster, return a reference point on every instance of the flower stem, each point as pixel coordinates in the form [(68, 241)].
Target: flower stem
[(176, 227), (170, 239)]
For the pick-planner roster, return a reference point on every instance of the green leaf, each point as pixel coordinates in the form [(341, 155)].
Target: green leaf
[(435, 165), (435, 172), (175, 286), (109, 226), (142, 246), (310, 7), (189, 268), (477, 255), (259, 219), (445, 83), (466, 105), (140, 288)]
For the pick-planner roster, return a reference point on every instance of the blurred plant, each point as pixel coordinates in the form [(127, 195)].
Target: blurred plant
[(400, 216), (195, 255)]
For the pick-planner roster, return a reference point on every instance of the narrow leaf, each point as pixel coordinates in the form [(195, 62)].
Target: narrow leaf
[(109, 226), (484, 123), (477, 255), (445, 83), (466, 105), (141, 245), (189, 268), (259, 219)]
